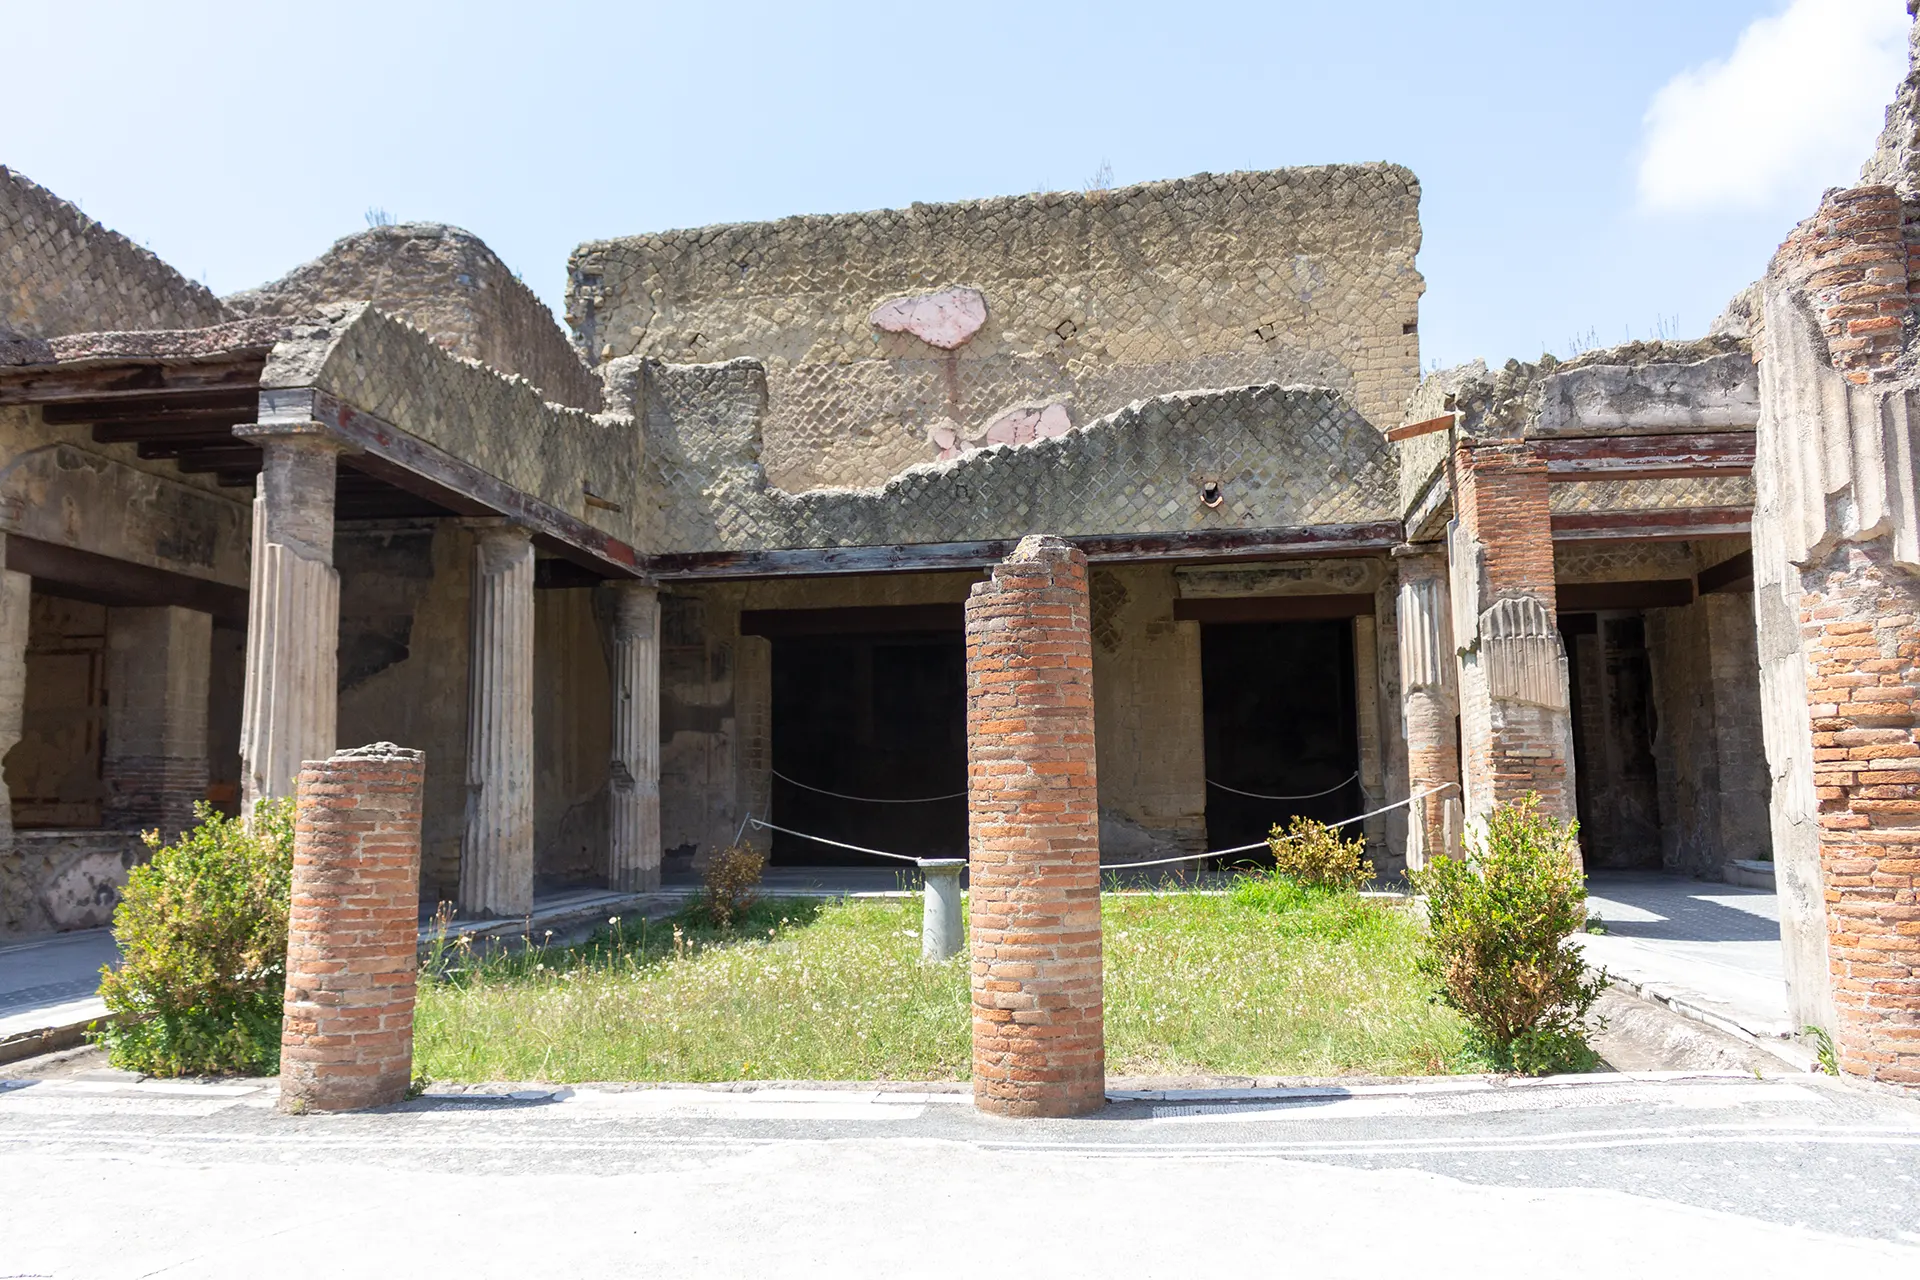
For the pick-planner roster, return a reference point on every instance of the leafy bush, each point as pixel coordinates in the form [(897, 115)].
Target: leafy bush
[(1312, 854), (1499, 924), (731, 881), (202, 929)]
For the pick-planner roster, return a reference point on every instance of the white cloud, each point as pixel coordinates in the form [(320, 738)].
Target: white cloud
[(1792, 110)]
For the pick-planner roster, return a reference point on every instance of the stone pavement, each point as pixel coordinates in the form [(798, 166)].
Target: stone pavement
[(1708, 950), (48, 983), (1640, 1175)]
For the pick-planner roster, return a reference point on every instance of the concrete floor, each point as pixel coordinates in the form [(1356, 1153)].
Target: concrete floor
[(1606, 1177)]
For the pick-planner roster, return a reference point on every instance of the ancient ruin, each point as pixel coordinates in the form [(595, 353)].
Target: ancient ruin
[(710, 557)]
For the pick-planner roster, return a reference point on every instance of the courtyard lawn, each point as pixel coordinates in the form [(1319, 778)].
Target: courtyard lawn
[(1265, 981)]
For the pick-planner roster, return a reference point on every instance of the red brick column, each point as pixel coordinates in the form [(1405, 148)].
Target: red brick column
[(1033, 819), (1515, 718), (1860, 616), (347, 1038)]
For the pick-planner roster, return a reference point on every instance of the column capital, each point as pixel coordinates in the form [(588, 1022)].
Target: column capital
[(303, 433), (502, 528)]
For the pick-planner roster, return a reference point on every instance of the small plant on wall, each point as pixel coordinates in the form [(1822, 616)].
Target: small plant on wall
[(1500, 924), (202, 929)]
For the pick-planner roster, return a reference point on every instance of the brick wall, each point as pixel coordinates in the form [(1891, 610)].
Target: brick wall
[(1501, 499), (1860, 616), (1855, 262), (1034, 832), (347, 1038)]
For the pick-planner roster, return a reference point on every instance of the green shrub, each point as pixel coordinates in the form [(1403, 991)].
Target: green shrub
[(202, 929), (1498, 929), (1312, 854), (731, 881)]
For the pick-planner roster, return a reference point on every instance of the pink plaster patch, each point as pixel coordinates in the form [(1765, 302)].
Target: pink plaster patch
[(1025, 425), (944, 320)]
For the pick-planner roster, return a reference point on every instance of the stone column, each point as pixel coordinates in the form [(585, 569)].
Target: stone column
[(346, 1037), (1837, 575), (1033, 818), (155, 766), (293, 611), (1428, 703), (496, 850), (1516, 719), (16, 609), (633, 861)]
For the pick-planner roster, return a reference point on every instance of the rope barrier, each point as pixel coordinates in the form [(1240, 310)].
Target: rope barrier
[(1108, 866), (1311, 795), (862, 799)]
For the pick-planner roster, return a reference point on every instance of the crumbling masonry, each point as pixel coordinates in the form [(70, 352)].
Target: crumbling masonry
[(725, 550)]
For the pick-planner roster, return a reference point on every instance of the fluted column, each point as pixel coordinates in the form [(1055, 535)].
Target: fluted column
[(496, 851), (16, 604), (633, 613), (293, 611), (1428, 698)]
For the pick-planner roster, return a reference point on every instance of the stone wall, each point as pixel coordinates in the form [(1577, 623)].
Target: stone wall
[(51, 881), (894, 337), (449, 285), (1283, 456), (61, 272)]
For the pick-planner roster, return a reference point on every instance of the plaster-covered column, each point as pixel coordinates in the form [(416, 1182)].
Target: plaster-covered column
[(1516, 718), (293, 611), (633, 861), (16, 607), (496, 851), (1428, 701), (158, 664)]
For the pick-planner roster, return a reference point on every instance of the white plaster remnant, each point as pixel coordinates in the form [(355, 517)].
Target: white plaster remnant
[(947, 319), (496, 853), (1524, 657), (1425, 660)]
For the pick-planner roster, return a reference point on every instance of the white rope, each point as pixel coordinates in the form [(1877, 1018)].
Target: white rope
[(1108, 866), (862, 799), (1311, 795), (882, 853)]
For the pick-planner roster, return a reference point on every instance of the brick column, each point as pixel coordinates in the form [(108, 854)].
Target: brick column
[(1428, 696), (1837, 574), (1516, 722), (1034, 833), (155, 766), (347, 1037)]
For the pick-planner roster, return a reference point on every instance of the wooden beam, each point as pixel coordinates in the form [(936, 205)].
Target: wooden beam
[(237, 405), (853, 620), (74, 574), (130, 380), (1412, 429), (1732, 574), (932, 557), (1652, 525), (1272, 608), (229, 459), (1707, 453), (1587, 597)]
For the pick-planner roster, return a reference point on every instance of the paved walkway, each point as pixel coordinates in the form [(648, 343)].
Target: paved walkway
[(50, 982), (1462, 1177), (1709, 950)]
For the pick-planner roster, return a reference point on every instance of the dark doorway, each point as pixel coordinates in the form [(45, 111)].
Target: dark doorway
[(1279, 708), (878, 716), (1615, 776)]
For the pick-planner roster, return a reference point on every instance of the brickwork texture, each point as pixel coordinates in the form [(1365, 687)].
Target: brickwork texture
[(347, 1038), (1034, 835)]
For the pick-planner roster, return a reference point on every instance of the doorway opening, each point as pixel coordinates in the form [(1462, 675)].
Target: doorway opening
[(870, 746), (1281, 726)]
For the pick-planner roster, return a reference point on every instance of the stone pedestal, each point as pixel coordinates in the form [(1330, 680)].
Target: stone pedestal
[(346, 1037), (155, 765), (496, 850), (1034, 831), (293, 611), (632, 610), (1516, 718), (1428, 704)]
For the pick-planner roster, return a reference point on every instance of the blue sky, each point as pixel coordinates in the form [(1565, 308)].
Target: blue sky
[(1589, 172)]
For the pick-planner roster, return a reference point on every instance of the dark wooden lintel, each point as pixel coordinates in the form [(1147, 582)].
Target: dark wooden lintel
[(1272, 608), (1652, 525), (931, 557), (131, 380), (236, 405), (1732, 574), (1588, 597), (82, 575), (1708, 453)]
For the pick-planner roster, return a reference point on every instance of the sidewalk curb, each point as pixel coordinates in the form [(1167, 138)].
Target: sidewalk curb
[(31, 1044), (1788, 1051)]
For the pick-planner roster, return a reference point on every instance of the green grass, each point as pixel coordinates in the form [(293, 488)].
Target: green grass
[(1269, 980)]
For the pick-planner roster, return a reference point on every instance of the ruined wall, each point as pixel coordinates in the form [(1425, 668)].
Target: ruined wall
[(52, 881), (62, 272), (1282, 457), (892, 337), (447, 283)]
